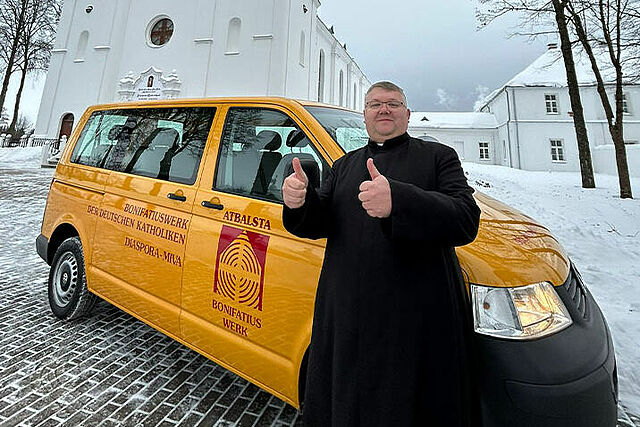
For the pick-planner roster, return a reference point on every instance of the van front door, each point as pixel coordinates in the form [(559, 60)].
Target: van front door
[(249, 285), (145, 214)]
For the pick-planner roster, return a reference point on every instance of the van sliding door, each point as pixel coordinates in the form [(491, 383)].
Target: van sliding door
[(145, 215)]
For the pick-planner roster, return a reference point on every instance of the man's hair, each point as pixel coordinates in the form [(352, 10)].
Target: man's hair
[(388, 86)]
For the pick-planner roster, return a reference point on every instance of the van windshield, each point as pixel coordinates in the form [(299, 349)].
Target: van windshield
[(345, 127)]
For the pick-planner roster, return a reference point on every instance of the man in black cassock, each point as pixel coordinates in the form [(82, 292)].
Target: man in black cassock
[(390, 343)]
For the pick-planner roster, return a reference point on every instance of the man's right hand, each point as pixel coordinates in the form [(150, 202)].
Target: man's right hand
[(294, 187)]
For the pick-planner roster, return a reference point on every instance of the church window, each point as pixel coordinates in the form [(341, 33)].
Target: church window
[(557, 151), (321, 77), (161, 32), (551, 103), (341, 89), (302, 43), (504, 152), (233, 36), (83, 40), (484, 150), (355, 96)]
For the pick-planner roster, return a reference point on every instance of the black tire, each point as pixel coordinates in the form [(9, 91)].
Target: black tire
[(68, 295)]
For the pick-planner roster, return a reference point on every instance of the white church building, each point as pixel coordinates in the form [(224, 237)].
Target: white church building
[(126, 50), (527, 123)]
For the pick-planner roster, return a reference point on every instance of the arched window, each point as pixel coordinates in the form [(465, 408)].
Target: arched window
[(83, 41), (233, 36), (341, 89), (321, 77), (302, 43), (355, 96)]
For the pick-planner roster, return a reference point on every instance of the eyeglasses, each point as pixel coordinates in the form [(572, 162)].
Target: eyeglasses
[(376, 105)]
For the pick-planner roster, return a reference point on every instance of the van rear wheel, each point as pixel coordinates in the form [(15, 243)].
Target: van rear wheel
[(69, 297)]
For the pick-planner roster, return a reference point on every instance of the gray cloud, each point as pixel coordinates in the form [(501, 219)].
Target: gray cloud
[(424, 46)]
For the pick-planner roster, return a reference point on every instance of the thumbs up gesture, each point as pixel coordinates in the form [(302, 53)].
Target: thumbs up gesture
[(294, 187), (375, 195)]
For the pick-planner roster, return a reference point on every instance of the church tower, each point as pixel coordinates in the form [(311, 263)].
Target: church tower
[(128, 50)]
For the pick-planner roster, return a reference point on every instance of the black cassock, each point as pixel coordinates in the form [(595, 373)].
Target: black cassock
[(391, 342)]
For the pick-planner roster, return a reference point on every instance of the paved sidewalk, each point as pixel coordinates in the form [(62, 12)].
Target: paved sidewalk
[(110, 369)]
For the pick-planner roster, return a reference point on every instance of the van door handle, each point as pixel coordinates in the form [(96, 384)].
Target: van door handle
[(178, 197), (208, 204)]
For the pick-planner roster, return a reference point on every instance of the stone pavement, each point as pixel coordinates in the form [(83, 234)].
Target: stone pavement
[(109, 369)]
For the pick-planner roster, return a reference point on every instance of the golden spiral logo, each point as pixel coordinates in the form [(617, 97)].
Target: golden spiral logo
[(240, 272)]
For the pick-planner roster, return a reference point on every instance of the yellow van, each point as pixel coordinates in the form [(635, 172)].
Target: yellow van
[(171, 210)]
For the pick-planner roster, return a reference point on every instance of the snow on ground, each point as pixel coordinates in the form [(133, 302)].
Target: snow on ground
[(24, 158), (601, 233)]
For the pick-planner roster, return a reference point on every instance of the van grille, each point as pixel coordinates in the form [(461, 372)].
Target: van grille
[(575, 291)]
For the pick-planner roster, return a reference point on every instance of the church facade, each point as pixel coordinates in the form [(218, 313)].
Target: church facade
[(128, 50)]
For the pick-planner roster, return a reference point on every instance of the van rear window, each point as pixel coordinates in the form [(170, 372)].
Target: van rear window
[(162, 143)]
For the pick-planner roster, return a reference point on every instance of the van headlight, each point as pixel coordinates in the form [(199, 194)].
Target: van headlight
[(522, 313)]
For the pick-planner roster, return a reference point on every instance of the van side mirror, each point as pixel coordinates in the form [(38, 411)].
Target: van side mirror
[(310, 167)]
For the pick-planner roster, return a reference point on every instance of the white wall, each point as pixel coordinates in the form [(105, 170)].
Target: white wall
[(266, 60), (464, 141), (529, 128), (604, 159)]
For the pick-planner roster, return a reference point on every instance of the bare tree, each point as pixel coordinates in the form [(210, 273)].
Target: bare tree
[(23, 127), (538, 18), (12, 20), (610, 26), (35, 43)]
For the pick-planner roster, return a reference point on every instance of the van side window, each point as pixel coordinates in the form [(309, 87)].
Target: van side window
[(257, 144), (92, 148), (162, 143)]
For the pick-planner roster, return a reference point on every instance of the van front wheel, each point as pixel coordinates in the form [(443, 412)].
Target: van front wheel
[(68, 295)]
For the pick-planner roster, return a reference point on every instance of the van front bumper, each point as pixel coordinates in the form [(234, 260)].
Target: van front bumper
[(566, 379)]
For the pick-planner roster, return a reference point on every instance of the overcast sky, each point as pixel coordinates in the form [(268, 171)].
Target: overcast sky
[(430, 48)]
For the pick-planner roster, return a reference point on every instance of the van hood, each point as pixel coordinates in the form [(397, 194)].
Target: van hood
[(511, 249)]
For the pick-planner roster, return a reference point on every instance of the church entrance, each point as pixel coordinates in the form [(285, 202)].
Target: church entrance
[(66, 126)]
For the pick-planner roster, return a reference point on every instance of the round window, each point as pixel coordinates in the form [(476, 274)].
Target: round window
[(161, 32)]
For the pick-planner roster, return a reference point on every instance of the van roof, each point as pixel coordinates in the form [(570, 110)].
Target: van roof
[(218, 100)]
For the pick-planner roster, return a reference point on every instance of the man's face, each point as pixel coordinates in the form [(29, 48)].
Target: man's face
[(382, 120)]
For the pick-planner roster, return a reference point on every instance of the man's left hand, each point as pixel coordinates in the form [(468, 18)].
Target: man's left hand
[(375, 195)]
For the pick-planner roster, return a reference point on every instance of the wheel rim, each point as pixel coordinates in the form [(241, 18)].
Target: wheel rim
[(65, 279)]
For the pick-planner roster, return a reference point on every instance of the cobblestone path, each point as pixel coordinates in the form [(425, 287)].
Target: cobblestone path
[(110, 369)]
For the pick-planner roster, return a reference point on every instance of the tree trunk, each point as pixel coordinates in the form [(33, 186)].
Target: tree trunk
[(7, 75), (16, 108), (584, 152), (618, 141), (617, 134)]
